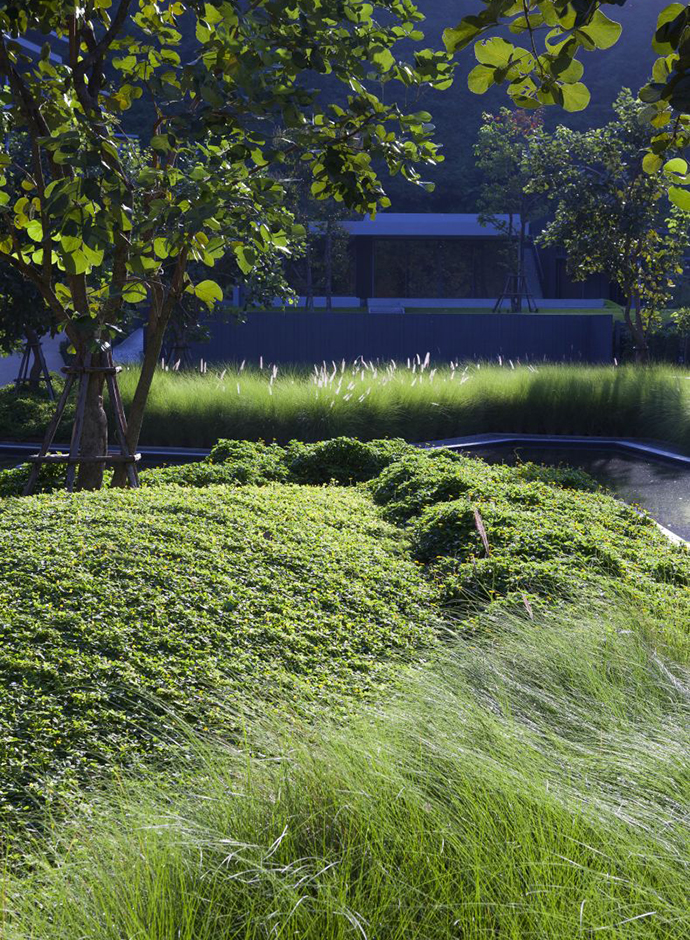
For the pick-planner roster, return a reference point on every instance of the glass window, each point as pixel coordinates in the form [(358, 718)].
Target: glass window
[(439, 267)]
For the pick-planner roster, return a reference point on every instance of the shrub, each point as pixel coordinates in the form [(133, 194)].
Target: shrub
[(24, 416), (51, 478), (343, 460), (570, 478), (547, 540), (252, 461)]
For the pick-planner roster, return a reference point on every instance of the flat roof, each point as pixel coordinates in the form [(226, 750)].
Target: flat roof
[(425, 224)]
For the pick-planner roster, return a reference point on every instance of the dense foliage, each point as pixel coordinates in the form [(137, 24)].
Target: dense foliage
[(611, 214), (498, 535), (117, 607), (193, 596), (530, 784), (96, 223)]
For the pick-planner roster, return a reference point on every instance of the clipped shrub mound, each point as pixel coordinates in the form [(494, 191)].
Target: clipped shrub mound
[(342, 460), (116, 604), (494, 533)]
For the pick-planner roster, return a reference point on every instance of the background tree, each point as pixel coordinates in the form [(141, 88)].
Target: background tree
[(681, 321), (325, 259), (24, 317), (611, 216), (95, 233), (503, 155)]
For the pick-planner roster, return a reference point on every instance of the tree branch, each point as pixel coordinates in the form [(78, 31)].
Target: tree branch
[(104, 43)]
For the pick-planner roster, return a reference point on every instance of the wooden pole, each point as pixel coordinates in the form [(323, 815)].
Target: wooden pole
[(50, 434), (74, 458)]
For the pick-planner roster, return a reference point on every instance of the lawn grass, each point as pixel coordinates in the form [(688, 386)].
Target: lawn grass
[(417, 402), (530, 786)]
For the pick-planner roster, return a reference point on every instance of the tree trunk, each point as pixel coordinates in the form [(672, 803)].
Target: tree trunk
[(329, 265), (636, 327), (309, 286), (520, 264), (94, 436), (642, 352), (36, 371), (155, 333)]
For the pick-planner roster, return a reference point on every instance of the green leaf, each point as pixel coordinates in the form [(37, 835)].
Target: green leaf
[(602, 31), (495, 51), (667, 15), (384, 59), (209, 293), (246, 258), (652, 163), (75, 262), (35, 230), (457, 37), (480, 79), (161, 142), (676, 166), (134, 293), (576, 97), (679, 197)]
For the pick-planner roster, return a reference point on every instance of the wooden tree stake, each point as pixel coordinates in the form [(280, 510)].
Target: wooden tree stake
[(74, 458), (24, 376)]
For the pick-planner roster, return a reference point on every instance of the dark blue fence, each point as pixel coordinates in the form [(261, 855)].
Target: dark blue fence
[(300, 337)]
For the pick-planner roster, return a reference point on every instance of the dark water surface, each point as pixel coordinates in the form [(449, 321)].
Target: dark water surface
[(662, 488)]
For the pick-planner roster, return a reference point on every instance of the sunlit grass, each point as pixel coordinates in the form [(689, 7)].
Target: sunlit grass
[(416, 401), (534, 785)]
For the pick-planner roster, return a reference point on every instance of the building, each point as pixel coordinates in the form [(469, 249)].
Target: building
[(427, 260)]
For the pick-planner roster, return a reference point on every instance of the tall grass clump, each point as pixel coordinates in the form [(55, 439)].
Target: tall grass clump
[(535, 786), (415, 401)]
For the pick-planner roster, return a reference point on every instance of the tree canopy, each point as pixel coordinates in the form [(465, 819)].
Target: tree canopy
[(610, 215), (99, 225), (541, 66)]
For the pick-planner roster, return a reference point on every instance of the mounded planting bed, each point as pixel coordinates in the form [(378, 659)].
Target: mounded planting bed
[(236, 581), (357, 690), (115, 606)]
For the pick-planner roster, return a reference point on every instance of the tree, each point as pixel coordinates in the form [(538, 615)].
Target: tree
[(503, 152), (24, 317), (548, 73), (611, 216), (326, 258), (681, 321), (95, 232)]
